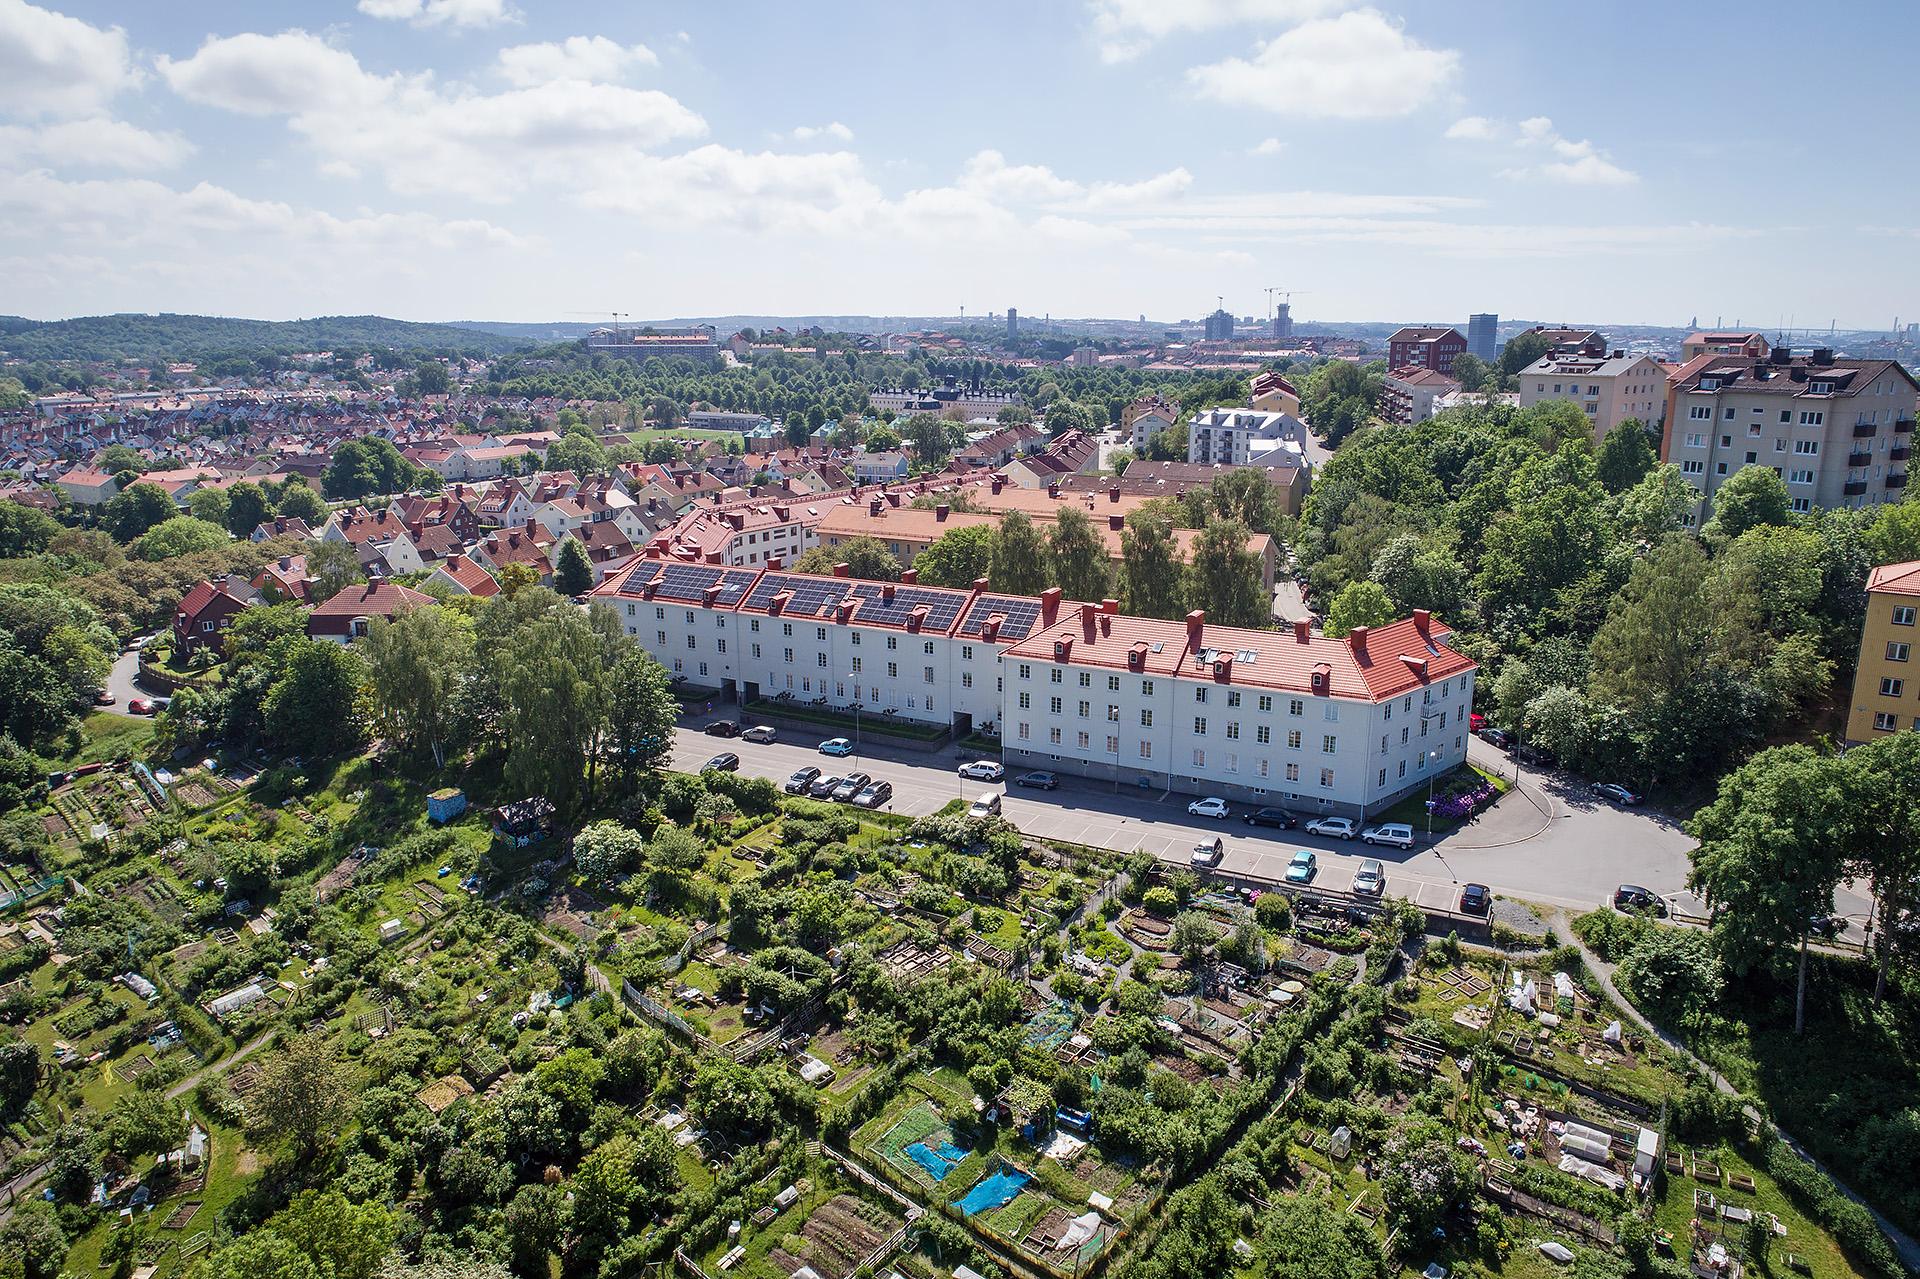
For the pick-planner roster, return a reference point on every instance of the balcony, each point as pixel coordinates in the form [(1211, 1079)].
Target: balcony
[(1896, 479), (1866, 430), (1855, 488), (1903, 426), (1859, 459), (1898, 453)]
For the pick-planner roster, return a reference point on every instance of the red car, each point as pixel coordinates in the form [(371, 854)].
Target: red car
[(1476, 721), (139, 706)]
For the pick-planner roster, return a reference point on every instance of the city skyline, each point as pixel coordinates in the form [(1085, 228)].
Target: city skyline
[(431, 159)]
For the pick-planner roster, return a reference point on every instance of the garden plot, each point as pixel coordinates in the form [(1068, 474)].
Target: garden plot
[(837, 1238), (919, 1145)]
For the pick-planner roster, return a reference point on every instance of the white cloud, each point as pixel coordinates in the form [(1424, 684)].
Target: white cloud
[(988, 174), (836, 131), (1126, 28), (1579, 162), (1358, 66), (1472, 128), (434, 13), (54, 65), (1267, 147), (484, 146), (97, 142), (575, 58)]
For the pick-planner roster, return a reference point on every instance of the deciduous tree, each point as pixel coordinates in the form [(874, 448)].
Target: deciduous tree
[(1226, 579), (1077, 557), (1019, 557), (1358, 604), (1153, 581)]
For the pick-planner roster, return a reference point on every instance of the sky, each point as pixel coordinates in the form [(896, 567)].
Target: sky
[(528, 160)]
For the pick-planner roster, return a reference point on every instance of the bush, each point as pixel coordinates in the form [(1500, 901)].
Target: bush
[(1610, 934), (1161, 901), (1852, 1226)]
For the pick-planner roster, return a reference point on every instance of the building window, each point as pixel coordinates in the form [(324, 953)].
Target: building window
[(1233, 730), (1701, 413), (1053, 706), (1383, 778), (1199, 758), (1326, 777), (722, 645), (1054, 675), (1146, 719), (1806, 448), (1081, 740), (854, 639), (1293, 772), (1812, 419), (856, 661), (966, 652), (689, 641), (1053, 736), (1083, 710), (1293, 739), (786, 629), (1113, 745), (1296, 707), (1146, 750), (1026, 731), (1896, 651), (1403, 768), (1903, 615), (1113, 683), (1329, 744), (1233, 697), (1026, 701), (893, 668), (1146, 688), (1890, 687), (1266, 702), (926, 674), (1262, 734), (1199, 726), (1200, 695), (1884, 722), (966, 679)]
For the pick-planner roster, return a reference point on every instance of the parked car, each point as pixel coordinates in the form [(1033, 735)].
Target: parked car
[(722, 728), (724, 762), (850, 785), (874, 794), (139, 706), (836, 746), (1827, 927), (987, 805), (1278, 818), (1370, 880), (1476, 722), (760, 733), (1499, 737), (1398, 834), (1333, 827), (1039, 781), (1207, 856), (1615, 792), (801, 779), (1212, 806), (1632, 897), (982, 770), (1475, 899), (1533, 755), (104, 698), (821, 787), (1302, 868)]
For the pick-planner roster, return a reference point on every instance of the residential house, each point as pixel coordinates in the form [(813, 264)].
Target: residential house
[(201, 618), (529, 544), (878, 468), (1073, 453), (1751, 345), (344, 618), (1407, 395), (285, 580), (1609, 390), (1425, 347), (461, 576), (1882, 702), (85, 486), (281, 526), (379, 532), (1273, 393)]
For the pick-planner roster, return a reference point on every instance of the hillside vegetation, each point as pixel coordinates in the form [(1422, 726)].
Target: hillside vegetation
[(194, 337)]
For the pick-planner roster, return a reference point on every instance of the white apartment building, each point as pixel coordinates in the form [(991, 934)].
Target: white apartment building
[(971, 402), (1608, 391), (1236, 437), (746, 535), (1839, 431), (1320, 725)]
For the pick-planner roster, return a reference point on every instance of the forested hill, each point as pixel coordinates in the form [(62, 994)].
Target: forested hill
[(197, 337)]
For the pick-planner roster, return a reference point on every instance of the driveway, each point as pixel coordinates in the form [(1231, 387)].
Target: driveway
[(122, 685), (1549, 841)]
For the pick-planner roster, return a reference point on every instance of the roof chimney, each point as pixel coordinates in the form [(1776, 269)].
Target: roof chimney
[(1113, 494), (1357, 639), (1049, 601), (1422, 619), (1053, 488), (774, 563), (1116, 522), (909, 577), (1823, 355), (1196, 626), (1781, 355), (981, 583), (530, 523), (940, 511), (843, 569), (1109, 605), (1300, 630), (999, 481), (886, 592)]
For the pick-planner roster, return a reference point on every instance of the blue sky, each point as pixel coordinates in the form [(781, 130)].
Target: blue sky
[(517, 159)]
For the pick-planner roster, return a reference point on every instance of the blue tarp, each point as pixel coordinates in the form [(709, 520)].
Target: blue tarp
[(994, 1191), (937, 1160)]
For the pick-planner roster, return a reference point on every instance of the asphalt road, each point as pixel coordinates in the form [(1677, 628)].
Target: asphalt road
[(1549, 841)]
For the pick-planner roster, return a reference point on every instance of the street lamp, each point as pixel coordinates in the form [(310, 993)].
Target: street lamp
[(856, 713), (1433, 774)]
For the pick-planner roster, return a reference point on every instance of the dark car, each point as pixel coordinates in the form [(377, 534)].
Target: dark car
[(874, 794), (1533, 755), (1278, 818), (1039, 781), (801, 779), (1475, 899), (724, 762), (1632, 897), (850, 785), (1826, 926), (722, 728), (1496, 737)]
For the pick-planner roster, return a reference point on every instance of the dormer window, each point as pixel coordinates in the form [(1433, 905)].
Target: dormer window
[(1820, 388), (1709, 383)]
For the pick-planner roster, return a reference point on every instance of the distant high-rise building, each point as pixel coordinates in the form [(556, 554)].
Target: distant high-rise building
[(1013, 324), (1220, 327), (1283, 321), (1481, 330)]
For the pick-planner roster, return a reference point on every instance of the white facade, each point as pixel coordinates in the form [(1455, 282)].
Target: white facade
[(1328, 751), (1237, 437)]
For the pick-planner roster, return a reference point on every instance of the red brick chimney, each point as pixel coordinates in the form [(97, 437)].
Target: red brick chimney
[(1196, 626), (843, 569), (1357, 639), (1116, 522), (1422, 620), (1300, 630), (908, 577)]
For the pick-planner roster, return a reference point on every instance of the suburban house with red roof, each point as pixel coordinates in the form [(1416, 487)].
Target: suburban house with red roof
[(285, 579), (461, 576), (344, 618), (85, 486), (1344, 726), (529, 544), (206, 610)]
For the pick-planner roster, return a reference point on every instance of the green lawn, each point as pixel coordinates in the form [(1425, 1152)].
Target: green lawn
[(884, 725), (1413, 809)]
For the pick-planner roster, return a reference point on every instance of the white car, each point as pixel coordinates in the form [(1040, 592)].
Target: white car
[(1370, 880), (982, 770), (1207, 856), (1398, 834), (1212, 806), (761, 733), (1333, 827)]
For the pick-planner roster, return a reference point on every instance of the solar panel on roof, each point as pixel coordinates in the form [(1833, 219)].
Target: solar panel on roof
[(1020, 617)]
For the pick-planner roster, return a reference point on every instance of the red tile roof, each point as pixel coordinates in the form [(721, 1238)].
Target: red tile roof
[(1896, 579), (365, 599)]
